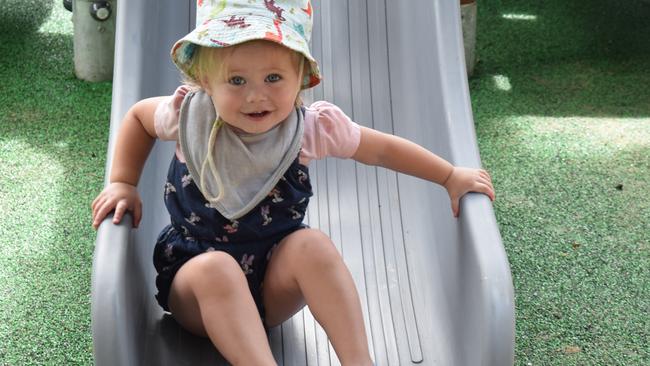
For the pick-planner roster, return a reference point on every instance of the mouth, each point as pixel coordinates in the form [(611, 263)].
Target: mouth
[(258, 115)]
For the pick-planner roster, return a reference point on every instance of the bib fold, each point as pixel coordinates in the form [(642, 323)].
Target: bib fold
[(249, 165)]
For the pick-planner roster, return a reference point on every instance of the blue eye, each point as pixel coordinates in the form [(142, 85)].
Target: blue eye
[(237, 80), (272, 78)]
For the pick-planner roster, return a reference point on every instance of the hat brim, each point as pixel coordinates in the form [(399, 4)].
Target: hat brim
[(225, 32)]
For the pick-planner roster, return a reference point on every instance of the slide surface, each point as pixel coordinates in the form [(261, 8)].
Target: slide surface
[(435, 290)]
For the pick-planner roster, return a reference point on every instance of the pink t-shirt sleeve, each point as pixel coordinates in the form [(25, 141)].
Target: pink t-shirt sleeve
[(328, 132), (166, 115)]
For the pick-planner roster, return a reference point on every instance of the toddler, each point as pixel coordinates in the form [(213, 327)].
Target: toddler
[(236, 257)]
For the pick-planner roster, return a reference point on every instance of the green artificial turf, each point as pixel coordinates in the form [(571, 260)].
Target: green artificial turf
[(53, 133), (562, 110)]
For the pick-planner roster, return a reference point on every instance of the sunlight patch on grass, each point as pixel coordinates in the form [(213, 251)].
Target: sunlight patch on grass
[(519, 17), (502, 82), (609, 132), (29, 199), (59, 22)]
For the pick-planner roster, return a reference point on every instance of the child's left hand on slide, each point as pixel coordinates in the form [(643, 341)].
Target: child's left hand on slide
[(121, 197)]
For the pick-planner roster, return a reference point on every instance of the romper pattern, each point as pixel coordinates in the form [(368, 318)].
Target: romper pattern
[(196, 227)]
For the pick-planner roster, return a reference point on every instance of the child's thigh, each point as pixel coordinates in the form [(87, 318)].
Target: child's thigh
[(198, 276), (296, 254)]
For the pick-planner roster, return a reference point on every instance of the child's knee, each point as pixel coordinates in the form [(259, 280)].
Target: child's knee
[(312, 248), (216, 268)]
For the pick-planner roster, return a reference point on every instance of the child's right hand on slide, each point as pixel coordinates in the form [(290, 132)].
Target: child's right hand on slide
[(119, 196)]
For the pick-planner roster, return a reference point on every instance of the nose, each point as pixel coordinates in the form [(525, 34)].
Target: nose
[(255, 94)]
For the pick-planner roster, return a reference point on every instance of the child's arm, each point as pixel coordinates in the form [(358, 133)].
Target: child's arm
[(396, 153), (134, 142)]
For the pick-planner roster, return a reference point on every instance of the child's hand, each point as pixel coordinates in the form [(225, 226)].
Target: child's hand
[(465, 180), (121, 197)]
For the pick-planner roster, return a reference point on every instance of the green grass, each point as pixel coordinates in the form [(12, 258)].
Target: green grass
[(562, 110), (53, 133)]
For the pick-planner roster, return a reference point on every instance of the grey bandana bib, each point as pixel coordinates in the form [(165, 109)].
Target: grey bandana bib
[(244, 167)]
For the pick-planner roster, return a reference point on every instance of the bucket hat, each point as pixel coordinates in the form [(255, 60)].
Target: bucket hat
[(224, 23)]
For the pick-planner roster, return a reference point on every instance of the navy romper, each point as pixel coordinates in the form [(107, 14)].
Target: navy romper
[(197, 228)]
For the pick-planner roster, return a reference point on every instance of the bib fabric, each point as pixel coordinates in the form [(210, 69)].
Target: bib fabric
[(249, 165)]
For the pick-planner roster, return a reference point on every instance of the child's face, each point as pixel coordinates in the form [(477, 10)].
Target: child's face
[(259, 87)]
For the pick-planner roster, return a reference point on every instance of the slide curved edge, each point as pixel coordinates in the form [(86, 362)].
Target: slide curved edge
[(479, 227)]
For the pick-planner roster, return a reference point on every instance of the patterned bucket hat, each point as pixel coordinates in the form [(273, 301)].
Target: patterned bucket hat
[(224, 23)]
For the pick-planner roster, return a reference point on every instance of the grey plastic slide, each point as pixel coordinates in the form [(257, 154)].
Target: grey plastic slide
[(435, 290)]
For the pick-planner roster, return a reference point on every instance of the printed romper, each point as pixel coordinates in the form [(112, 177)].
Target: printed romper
[(198, 228)]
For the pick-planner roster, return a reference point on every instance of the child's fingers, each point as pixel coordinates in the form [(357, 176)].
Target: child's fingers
[(100, 214), (455, 203), (97, 203), (484, 180), (137, 214), (489, 186), (487, 189), (485, 175), (120, 208)]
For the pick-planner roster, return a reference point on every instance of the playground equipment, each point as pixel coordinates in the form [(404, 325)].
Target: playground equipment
[(435, 290)]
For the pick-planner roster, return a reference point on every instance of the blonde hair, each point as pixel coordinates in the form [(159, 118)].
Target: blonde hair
[(212, 62)]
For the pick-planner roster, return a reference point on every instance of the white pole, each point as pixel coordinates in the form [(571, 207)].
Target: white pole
[(94, 39), (468, 13)]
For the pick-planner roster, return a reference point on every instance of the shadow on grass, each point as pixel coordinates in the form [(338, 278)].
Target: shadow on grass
[(53, 133), (563, 59), (22, 18), (590, 88), (527, 33)]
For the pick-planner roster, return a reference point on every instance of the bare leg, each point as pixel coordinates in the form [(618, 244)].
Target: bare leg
[(306, 267), (210, 296)]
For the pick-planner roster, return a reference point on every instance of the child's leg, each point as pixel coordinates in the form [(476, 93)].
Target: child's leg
[(210, 296), (306, 267)]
